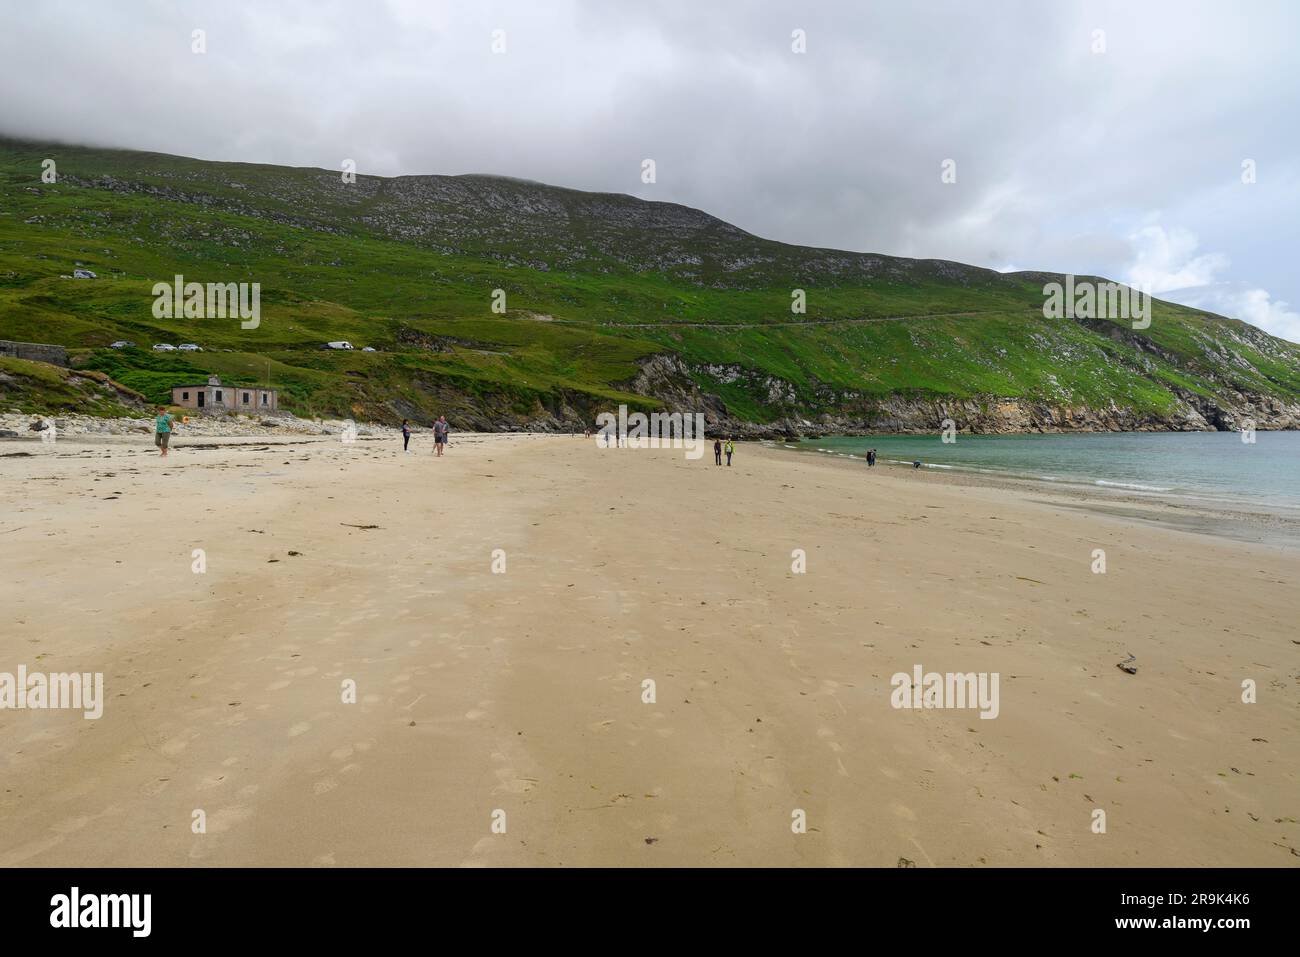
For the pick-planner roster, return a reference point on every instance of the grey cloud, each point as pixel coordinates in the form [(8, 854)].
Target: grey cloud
[(1062, 154)]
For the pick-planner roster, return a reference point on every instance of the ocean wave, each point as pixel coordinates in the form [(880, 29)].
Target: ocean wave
[(1134, 486)]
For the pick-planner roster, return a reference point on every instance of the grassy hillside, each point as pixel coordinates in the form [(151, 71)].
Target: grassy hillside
[(595, 284), (36, 387)]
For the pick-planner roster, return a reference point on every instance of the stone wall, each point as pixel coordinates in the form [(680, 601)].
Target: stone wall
[(34, 351)]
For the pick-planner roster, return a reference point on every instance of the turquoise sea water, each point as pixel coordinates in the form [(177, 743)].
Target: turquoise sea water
[(1212, 467)]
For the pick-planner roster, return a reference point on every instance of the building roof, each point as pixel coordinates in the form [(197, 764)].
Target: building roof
[(225, 385)]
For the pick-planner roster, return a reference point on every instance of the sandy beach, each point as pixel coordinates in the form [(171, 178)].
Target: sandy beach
[(480, 692)]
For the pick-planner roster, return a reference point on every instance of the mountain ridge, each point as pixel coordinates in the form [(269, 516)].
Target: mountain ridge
[(653, 304)]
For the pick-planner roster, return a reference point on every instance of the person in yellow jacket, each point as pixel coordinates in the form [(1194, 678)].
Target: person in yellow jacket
[(730, 447)]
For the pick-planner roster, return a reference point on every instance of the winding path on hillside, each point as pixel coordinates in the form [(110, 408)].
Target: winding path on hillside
[(769, 325)]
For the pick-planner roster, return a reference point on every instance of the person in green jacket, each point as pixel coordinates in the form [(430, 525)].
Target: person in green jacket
[(730, 447), (162, 430)]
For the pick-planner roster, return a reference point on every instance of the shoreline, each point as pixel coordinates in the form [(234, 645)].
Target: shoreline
[(1269, 525), (1273, 525), (246, 423)]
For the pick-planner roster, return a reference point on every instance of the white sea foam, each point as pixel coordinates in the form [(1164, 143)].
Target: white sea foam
[(1134, 486)]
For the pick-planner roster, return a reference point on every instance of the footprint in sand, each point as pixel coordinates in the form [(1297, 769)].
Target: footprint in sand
[(481, 850), (277, 685), (302, 727), (177, 744), (511, 783), (214, 779), (341, 754), (902, 811), (219, 822), (227, 817), (324, 786)]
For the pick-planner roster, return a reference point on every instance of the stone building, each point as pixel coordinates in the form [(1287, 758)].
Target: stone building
[(35, 351), (215, 397)]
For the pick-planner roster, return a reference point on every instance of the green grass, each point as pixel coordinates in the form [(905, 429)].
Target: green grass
[(408, 266), (39, 388)]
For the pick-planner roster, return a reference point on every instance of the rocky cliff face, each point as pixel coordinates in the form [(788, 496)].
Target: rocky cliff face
[(667, 378)]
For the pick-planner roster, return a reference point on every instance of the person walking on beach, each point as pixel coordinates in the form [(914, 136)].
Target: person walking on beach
[(162, 430), (406, 435), (730, 447), (440, 430), (717, 451), (871, 458)]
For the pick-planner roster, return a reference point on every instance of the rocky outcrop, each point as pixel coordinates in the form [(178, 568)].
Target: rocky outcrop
[(668, 379)]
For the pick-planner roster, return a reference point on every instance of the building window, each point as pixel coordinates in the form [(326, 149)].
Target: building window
[(264, 398), (218, 395), (245, 398), (185, 397)]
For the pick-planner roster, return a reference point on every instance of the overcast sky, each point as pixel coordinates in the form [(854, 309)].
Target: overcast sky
[(1125, 161)]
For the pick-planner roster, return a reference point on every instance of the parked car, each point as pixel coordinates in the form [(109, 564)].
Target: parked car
[(122, 344), (189, 347), (83, 274), (341, 344), (369, 349), (163, 347)]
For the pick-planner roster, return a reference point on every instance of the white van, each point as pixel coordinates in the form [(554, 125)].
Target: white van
[(341, 344)]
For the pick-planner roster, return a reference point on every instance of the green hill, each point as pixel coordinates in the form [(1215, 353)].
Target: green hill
[(38, 388), (608, 299)]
